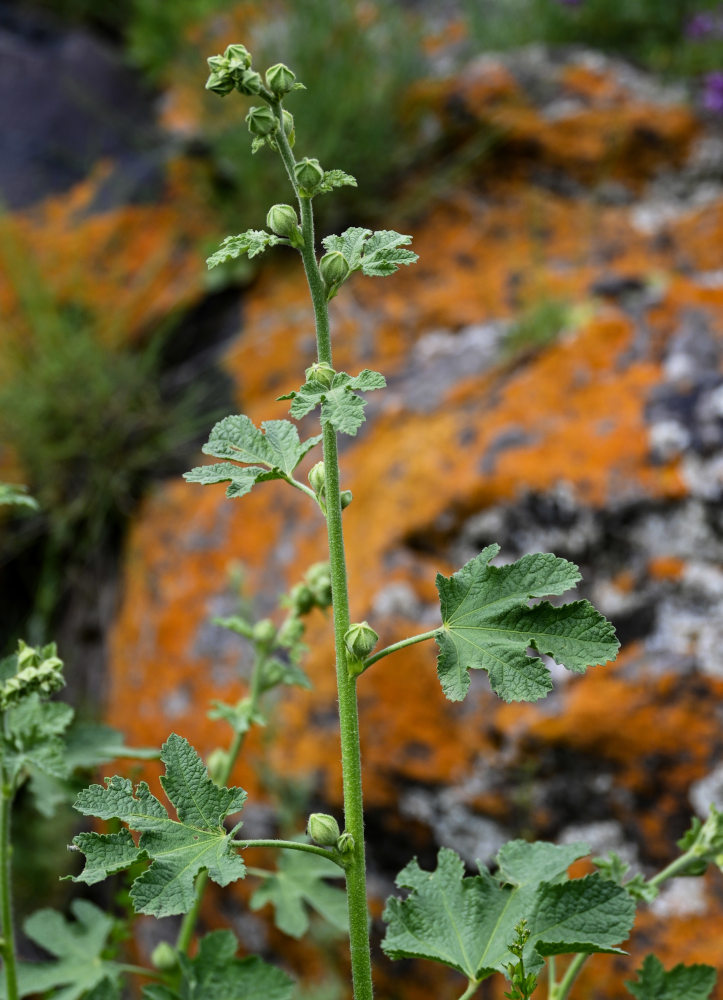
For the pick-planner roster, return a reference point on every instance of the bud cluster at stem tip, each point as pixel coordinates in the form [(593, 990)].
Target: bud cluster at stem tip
[(232, 71)]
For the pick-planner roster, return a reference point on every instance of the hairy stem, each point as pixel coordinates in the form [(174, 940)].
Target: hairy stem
[(355, 862), (676, 867), (7, 949), (422, 637), (560, 991), (289, 845)]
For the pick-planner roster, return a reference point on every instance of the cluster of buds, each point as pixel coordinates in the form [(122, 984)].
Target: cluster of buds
[(313, 592), (37, 671), (232, 71), (323, 829)]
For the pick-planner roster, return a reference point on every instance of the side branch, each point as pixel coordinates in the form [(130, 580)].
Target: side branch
[(290, 845), (401, 645)]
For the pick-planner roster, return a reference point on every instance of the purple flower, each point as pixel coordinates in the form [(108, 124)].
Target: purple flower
[(700, 26), (713, 92)]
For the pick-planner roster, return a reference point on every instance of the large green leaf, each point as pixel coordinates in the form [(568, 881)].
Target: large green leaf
[(253, 242), (78, 947), (469, 923), (297, 883), (178, 849), (683, 982), (488, 624), (340, 405), (216, 974), (273, 452)]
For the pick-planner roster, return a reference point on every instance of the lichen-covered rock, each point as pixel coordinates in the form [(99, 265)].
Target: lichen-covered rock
[(599, 439)]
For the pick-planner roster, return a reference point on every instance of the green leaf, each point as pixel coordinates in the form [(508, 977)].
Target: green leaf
[(488, 625), (252, 242), (340, 406), (469, 923), (88, 744), (178, 849), (215, 974), (334, 179), (33, 746), (683, 982), (78, 947), (297, 883), (276, 448), (17, 496), (375, 254)]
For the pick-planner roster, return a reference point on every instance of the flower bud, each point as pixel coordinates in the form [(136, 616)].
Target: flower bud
[(217, 765), (247, 82), (282, 220), (301, 599), (291, 631), (320, 372), (323, 829), (318, 579), (261, 121), (164, 956), (309, 175), (360, 640), (316, 478), (345, 843), (346, 498), (335, 270), (280, 79), (219, 80), (238, 58), (290, 130), (264, 632)]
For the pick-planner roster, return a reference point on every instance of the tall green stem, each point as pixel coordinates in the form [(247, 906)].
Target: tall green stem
[(560, 991), (346, 685), (7, 948)]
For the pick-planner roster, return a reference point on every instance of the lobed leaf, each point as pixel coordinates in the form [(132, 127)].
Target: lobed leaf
[(375, 254), (276, 447), (335, 179), (488, 624), (469, 923), (216, 974), (78, 948), (340, 406), (297, 883), (683, 982), (178, 849), (253, 242)]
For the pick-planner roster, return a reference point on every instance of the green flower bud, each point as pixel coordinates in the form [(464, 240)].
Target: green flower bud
[(316, 478), (216, 766), (248, 82), (219, 82), (360, 640), (302, 599), (291, 631), (335, 270), (320, 372), (318, 579), (262, 121), (289, 128), (345, 843), (280, 79), (309, 175), (323, 829), (164, 956), (282, 220), (238, 58), (264, 632), (346, 498)]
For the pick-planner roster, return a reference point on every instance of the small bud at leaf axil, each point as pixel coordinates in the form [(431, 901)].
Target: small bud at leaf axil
[(335, 270), (164, 956), (280, 79), (282, 220), (264, 632), (217, 764), (320, 372), (261, 121), (345, 843), (318, 579), (316, 478), (289, 128), (346, 498), (360, 640), (301, 599), (323, 829), (309, 175)]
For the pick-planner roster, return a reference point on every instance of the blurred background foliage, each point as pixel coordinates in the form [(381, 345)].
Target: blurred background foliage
[(91, 411)]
